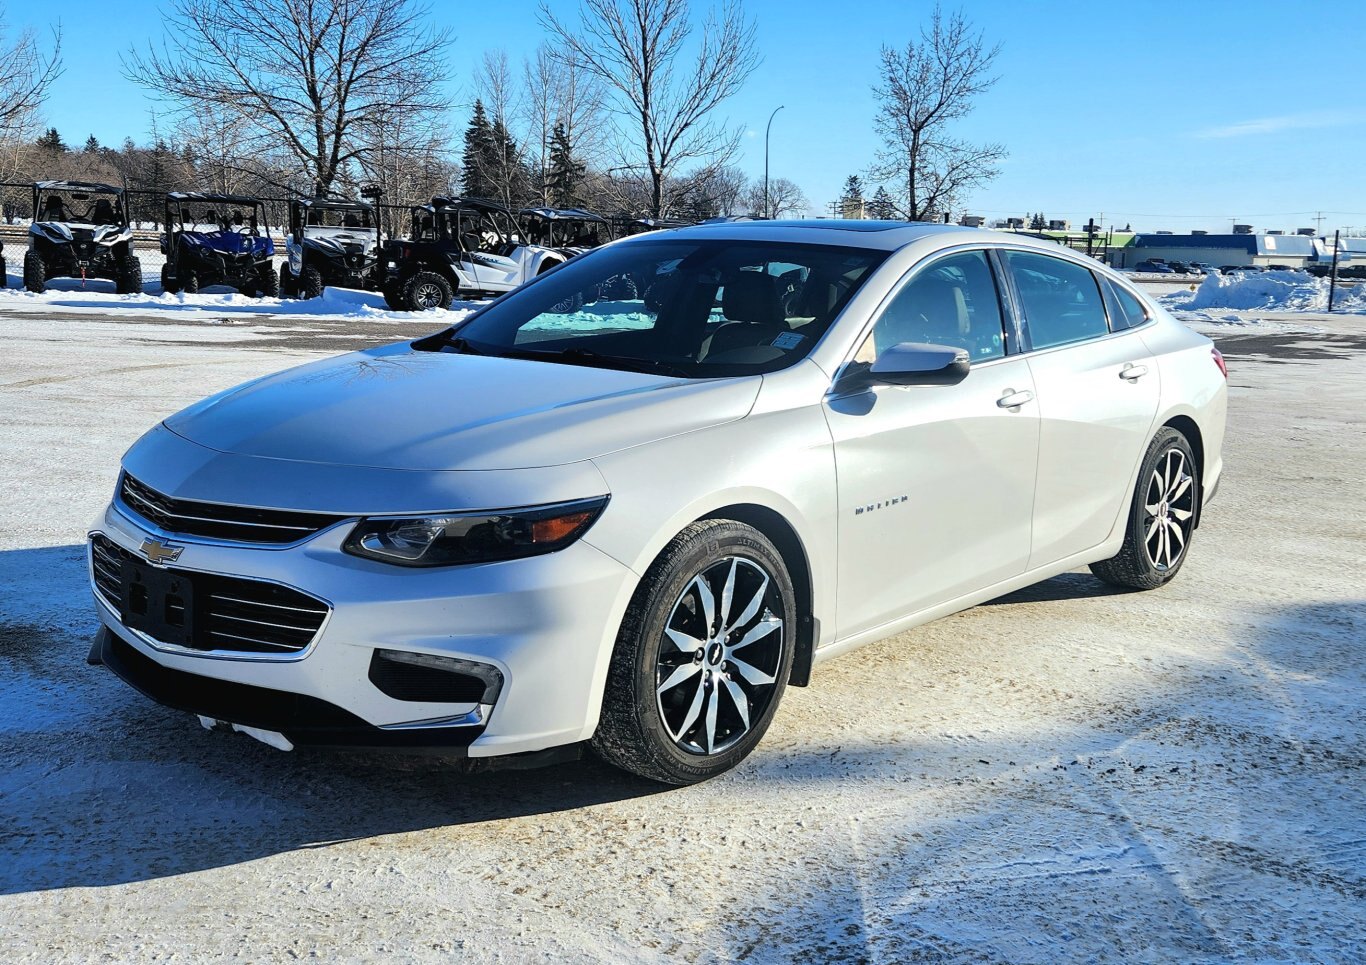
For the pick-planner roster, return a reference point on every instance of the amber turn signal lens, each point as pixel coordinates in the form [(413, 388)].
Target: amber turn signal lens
[(559, 528)]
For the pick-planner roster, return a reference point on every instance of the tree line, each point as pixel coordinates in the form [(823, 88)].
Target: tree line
[(619, 110)]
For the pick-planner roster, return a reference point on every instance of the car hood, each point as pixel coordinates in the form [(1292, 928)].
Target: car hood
[(399, 408)]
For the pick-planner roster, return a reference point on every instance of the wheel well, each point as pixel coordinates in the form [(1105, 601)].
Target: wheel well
[(789, 546), (1187, 427)]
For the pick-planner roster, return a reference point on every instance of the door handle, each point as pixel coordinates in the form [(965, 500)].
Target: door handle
[(1132, 372), (1013, 400)]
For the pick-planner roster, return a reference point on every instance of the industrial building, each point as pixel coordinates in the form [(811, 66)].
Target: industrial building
[(1294, 251)]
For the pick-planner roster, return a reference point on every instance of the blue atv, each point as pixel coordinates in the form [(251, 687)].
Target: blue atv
[(217, 239)]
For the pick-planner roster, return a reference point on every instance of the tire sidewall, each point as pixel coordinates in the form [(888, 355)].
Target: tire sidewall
[(643, 633)]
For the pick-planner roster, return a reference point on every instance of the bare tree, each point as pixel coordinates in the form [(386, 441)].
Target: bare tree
[(26, 74), (558, 92), (306, 74), (666, 108), (784, 198), (922, 90)]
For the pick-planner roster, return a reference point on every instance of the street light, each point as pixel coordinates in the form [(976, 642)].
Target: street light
[(767, 131)]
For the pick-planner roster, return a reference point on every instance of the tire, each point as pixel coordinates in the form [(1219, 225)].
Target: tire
[(269, 283), (393, 297), (1162, 517), (129, 280), (621, 288), (168, 285), (693, 729), (311, 282), (286, 281), (189, 284), (35, 272), (426, 290)]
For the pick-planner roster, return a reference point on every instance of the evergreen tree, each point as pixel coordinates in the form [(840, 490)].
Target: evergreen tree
[(566, 173), (509, 173), (479, 151), (851, 201), (1037, 223), (92, 145), (52, 142), (881, 207)]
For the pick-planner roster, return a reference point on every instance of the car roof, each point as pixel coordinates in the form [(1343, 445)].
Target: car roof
[(880, 235), (93, 186), (212, 196)]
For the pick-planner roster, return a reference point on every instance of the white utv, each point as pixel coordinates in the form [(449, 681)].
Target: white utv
[(80, 230), (331, 243), (460, 248)]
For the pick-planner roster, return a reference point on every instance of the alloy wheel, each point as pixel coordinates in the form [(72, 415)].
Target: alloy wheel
[(719, 659), (1169, 510), (427, 296)]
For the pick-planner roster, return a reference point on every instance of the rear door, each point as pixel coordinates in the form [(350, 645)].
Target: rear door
[(1097, 391)]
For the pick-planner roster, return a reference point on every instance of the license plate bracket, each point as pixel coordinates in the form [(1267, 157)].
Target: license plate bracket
[(160, 603)]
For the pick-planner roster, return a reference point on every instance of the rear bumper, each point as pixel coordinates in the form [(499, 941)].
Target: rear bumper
[(305, 721)]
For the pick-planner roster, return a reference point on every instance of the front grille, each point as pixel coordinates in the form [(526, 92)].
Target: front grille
[(218, 521), (227, 613)]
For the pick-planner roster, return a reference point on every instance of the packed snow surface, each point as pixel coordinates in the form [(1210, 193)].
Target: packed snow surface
[(1285, 291)]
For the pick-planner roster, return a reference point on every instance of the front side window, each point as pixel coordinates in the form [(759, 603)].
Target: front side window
[(696, 309), (1061, 299), (952, 301)]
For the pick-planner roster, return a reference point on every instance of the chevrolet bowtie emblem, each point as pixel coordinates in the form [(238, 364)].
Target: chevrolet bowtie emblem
[(158, 552)]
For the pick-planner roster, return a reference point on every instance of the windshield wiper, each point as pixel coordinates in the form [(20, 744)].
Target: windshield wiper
[(583, 356), (461, 345)]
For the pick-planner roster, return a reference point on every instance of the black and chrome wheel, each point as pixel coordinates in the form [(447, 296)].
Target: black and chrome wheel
[(427, 290), (1162, 517), (702, 658)]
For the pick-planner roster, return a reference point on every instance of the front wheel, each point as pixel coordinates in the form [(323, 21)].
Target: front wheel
[(35, 272), (169, 283), (702, 658), (286, 281), (268, 283), (128, 280), (1161, 517), (311, 282)]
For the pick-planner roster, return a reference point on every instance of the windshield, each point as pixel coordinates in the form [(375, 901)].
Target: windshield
[(695, 309), (339, 218), (80, 207), (209, 216)]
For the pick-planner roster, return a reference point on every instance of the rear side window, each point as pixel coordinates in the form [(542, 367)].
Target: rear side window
[(1126, 311), (1061, 300)]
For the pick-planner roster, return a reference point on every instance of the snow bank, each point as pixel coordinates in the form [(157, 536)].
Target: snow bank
[(1281, 291), (98, 296)]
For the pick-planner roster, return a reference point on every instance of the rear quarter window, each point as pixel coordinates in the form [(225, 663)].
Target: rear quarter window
[(1062, 300), (1126, 311)]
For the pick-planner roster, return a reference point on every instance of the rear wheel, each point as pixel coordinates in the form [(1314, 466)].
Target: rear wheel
[(35, 272), (702, 657), (311, 282), (129, 276), (1161, 517), (426, 290), (169, 283)]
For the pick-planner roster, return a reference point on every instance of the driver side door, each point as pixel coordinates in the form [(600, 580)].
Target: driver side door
[(935, 482)]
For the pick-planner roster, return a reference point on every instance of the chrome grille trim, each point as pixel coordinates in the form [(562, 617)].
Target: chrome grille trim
[(234, 616), (220, 521)]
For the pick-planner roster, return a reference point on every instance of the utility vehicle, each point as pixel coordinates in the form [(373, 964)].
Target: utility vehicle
[(330, 243), (80, 230), (217, 239), (459, 247)]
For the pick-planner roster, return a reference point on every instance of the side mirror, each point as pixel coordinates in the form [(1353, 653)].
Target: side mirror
[(919, 363)]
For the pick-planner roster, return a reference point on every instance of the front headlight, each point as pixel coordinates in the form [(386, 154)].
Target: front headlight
[(473, 537)]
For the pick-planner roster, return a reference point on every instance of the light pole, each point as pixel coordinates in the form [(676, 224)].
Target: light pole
[(767, 131)]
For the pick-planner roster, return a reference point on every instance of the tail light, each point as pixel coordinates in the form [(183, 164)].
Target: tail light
[(1219, 361)]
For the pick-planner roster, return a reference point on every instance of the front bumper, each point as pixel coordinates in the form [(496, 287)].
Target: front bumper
[(547, 624)]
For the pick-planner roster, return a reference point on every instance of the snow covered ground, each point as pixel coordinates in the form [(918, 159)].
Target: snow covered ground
[(1066, 774)]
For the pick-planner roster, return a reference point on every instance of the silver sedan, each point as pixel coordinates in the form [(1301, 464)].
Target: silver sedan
[(626, 505)]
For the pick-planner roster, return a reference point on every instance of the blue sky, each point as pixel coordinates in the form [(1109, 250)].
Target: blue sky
[(1163, 115)]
